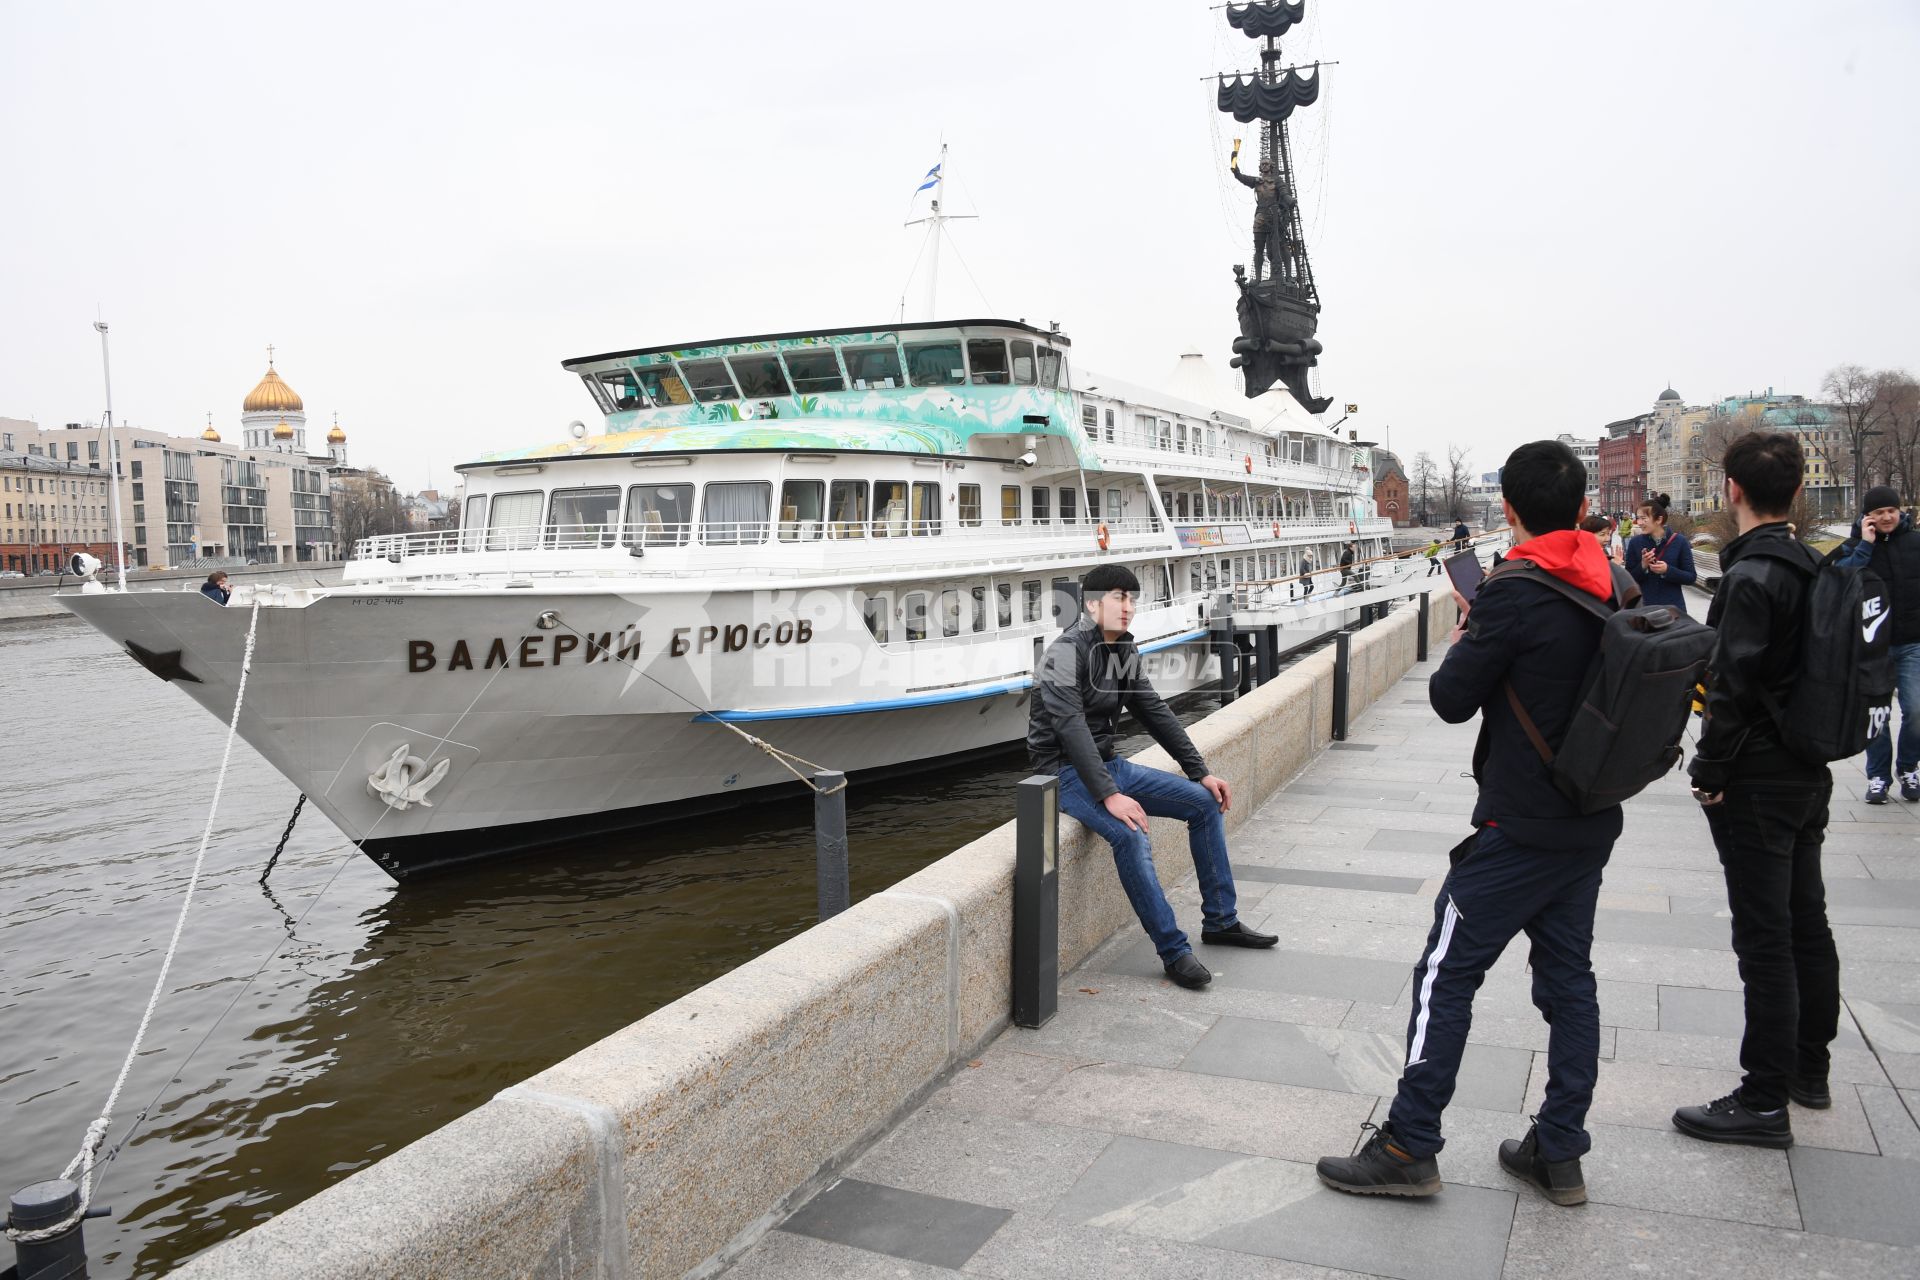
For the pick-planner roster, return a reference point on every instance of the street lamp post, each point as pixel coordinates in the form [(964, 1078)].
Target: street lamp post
[(113, 459)]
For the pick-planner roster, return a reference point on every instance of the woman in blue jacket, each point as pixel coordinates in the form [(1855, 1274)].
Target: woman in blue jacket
[(1660, 560)]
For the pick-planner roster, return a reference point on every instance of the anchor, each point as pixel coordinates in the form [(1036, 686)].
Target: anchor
[(399, 783)]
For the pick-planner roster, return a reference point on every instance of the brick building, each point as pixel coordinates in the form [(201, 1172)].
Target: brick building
[(1390, 496), (48, 511), (1623, 464)]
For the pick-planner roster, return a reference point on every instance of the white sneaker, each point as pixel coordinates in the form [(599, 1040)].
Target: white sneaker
[(1910, 785), (1876, 791)]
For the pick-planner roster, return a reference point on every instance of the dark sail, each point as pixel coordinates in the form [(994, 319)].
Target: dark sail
[(1261, 20), (1247, 101)]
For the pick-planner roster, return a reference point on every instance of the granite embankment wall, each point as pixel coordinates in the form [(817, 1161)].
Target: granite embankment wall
[(668, 1147), (23, 598)]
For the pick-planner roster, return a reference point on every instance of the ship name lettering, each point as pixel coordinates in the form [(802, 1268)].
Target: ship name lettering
[(537, 651)]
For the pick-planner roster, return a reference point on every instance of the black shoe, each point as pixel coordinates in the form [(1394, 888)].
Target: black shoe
[(1811, 1094), (1559, 1180), (1730, 1120), (1237, 935), (1189, 972), (1378, 1167)]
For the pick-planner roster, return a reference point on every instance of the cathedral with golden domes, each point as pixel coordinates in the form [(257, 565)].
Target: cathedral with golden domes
[(273, 418)]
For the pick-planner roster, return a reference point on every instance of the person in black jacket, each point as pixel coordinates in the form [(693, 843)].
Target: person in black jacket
[(215, 588), (1884, 541), (1766, 808), (1086, 678), (1534, 861), (1461, 536)]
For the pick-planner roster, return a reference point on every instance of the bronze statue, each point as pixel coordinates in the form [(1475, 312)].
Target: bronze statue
[(1272, 212)]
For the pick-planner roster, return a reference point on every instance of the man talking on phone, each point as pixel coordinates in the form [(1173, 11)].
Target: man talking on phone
[(1086, 678)]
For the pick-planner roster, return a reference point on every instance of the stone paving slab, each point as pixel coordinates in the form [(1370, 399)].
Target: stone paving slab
[(1149, 1131)]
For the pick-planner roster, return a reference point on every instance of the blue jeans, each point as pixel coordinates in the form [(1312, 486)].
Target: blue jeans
[(1906, 668), (1498, 890), (1163, 795)]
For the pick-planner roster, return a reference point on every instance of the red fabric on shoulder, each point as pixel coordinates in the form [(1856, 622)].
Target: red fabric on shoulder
[(1572, 555)]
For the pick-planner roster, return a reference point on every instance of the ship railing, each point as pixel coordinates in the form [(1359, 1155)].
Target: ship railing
[(1219, 454)]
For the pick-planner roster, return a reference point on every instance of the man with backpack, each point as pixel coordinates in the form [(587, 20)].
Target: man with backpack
[(1884, 542), (1545, 820), (1798, 660)]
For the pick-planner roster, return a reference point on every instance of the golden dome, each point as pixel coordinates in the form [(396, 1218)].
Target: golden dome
[(272, 395), (281, 431), (210, 435), (336, 436)]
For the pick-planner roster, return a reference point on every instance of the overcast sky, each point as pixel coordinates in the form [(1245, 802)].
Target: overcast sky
[(1525, 218)]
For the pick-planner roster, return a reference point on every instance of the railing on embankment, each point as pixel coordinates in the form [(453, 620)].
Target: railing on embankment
[(668, 1147)]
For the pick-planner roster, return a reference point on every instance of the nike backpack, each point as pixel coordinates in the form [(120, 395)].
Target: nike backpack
[(1634, 704), (1843, 691)]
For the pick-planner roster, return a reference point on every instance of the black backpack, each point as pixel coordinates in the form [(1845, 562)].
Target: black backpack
[(1845, 680), (1634, 704)]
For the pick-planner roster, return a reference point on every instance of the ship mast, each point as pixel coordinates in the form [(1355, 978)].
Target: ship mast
[(936, 222)]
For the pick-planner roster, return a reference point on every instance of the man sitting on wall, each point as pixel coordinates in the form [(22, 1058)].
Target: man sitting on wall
[(1086, 678)]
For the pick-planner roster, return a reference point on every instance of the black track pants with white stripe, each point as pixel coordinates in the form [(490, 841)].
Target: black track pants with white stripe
[(1497, 892)]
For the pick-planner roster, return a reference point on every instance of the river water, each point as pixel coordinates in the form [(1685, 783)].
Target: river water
[(387, 1012)]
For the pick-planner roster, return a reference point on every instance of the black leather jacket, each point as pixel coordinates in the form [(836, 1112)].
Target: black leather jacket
[(1079, 691), (1896, 562), (1757, 612)]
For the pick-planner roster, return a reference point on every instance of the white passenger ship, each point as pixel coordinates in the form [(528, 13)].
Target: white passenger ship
[(850, 543)]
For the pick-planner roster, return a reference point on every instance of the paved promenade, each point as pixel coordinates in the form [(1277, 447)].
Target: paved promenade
[(1153, 1132)]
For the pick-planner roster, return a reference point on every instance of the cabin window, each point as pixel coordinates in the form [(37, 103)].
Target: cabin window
[(1090, 421), (1062, 600), (1049, 367), (598, 392), (1109, 426), (709, 380), (660, 514), (969, 506), (735, 513), (473, 523), (979, 609), (1166, 434), (1116, 506), (1004, 590), (663, 386), (583, 517), (1009, 504), (815, 371), (913, 615), (1030, 601), (1041, 497), (800, 510), (987, 358), (935, 364), (1166, 583), (1022, 362), (1180, 506), (950, 612), (620, 388), (515, 524), (759, 374), (889, 509), (926, 508), (1093, 506), (873, 368), (849, 507), (1069, 506), (878, 611), (1179, 437)]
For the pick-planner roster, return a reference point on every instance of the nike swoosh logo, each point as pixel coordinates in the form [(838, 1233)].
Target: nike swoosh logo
[(1868, 632)]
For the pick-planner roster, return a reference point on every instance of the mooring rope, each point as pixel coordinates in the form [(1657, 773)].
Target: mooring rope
[(83, 1160)]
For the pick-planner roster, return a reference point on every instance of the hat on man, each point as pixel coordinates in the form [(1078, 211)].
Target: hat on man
[(1879, 496)]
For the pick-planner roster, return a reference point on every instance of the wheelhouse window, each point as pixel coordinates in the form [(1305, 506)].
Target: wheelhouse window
[(709, 380), (663, 386), (1009, 504), (935, 364), (987, 358), (583, 517), (473, 522), (969, 506), (759, 375), (926, 509), (622, 389), (889, 509), (800, 502), (734, 513), (598, 392), (659, 515), (815, 371), (515, 523), (1022, 361), (1049, 367), (849, 507), (1041, 506), (873, 368)]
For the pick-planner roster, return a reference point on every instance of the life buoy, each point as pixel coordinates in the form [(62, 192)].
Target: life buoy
[(1249, 464), (1102, 538)]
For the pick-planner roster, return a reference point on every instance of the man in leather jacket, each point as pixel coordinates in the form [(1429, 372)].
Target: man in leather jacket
[(1766, 808), (1086, 678)]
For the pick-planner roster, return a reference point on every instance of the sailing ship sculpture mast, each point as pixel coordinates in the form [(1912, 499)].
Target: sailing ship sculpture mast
[(1279, 305)]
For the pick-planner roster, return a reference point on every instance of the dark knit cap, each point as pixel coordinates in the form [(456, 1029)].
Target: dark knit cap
[(1880, 496)]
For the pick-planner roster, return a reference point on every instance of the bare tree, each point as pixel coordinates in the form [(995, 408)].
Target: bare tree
[(1426, 479), (1454, 487), (365, 507), (1856, 393), (1899, 397)]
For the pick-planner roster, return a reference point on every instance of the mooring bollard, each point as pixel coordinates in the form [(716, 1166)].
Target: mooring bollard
[(1420, 640), (1342, 647), (64, 1257), (830, 842), (1229, 655), (1036, 901), (1249, 668), (1269, 642)]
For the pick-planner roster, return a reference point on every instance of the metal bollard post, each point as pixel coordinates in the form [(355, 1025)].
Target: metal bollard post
[(1342, 667), (1420, 640), (1228, 652), (1269, 639), (1249, 667), (1036, 901), (64, 1257), (830, 842)]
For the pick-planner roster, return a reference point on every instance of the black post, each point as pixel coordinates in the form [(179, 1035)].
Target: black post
[(1229, 655), (64, 1257), (1243, 641), (830, 842), (1420, 642), (1269, 639), (1036, 901), (1342, 645)]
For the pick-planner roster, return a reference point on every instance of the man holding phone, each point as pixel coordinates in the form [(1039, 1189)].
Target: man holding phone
[(1086, 678)]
